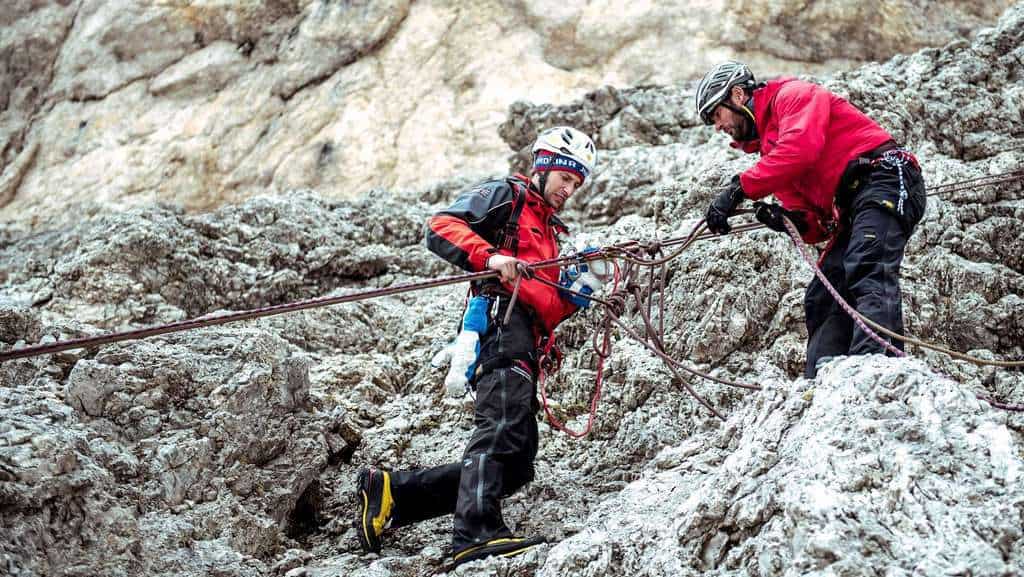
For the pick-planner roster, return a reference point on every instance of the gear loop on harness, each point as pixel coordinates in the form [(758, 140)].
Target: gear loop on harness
[(898, 158)]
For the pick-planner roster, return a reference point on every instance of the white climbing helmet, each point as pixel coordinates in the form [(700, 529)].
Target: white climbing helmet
[(569, 142), (716, 85)]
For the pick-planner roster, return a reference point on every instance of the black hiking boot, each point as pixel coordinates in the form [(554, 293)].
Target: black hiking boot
[(505, 547), (375, 503)]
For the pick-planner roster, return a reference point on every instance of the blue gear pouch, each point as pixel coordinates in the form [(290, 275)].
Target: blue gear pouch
[(476, 319)]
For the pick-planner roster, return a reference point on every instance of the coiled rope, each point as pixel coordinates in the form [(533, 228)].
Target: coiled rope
[(627, 289)]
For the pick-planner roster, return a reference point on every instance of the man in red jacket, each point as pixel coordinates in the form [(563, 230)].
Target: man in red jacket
[(498, 225), (839, 177)]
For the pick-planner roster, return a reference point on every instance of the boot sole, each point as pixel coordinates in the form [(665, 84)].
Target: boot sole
[(497, 548)]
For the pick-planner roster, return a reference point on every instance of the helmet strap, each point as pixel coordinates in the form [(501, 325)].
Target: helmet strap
[(543, 182), (748, 126)]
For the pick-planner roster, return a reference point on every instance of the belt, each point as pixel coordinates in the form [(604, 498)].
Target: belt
[(881, 149), (851, 180), (856, 168)]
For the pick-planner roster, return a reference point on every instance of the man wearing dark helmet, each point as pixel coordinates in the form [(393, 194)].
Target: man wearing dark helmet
[(839, 177)]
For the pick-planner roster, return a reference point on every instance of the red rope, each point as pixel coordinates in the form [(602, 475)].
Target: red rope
[(594, 400), (596, 397)]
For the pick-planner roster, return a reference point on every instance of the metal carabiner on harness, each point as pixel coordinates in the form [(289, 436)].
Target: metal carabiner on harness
[(898, 158)]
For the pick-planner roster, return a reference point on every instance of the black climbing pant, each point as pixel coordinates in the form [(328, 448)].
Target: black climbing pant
[(499, 457), (864, 263)]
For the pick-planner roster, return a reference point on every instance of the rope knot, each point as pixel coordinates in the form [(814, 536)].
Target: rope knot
[(616, 303)]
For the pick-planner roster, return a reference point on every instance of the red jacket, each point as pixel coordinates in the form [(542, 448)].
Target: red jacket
[(807, 135), (464, 235)]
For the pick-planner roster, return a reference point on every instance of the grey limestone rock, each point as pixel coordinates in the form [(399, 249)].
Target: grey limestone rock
[(207, 441), (232, 450), (876, 465), (203, 102)]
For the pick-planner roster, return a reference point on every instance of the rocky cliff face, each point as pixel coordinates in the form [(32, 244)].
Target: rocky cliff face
[(201, 102), (232, 450)]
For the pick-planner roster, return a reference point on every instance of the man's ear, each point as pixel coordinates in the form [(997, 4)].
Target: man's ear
[(738, 96)]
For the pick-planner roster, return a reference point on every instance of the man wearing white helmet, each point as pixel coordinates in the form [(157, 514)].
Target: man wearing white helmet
[(497, 226), (839, 177)]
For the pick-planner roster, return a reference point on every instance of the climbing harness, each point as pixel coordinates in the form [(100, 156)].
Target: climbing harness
[(508, 235)]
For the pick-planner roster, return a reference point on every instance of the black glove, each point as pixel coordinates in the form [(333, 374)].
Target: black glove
[(723, 206), (771, 216)]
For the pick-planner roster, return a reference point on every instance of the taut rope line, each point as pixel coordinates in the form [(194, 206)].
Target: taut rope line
[(630, 252)]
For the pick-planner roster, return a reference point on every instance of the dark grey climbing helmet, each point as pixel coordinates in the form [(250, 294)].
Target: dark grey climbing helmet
[(716, 85)]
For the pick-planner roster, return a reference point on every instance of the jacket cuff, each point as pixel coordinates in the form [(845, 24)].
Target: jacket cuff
[(750, 188), (478, 258)]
